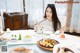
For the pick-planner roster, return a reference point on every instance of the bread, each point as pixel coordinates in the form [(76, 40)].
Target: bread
[(21, 50)]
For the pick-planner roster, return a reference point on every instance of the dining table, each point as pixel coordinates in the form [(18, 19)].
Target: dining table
[(70, 40)]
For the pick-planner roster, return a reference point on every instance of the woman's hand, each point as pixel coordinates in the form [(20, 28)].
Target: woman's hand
[(36, 27)]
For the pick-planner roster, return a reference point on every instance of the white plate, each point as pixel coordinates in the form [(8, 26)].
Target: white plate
[(12, 49), (47, 32), (27, 38)]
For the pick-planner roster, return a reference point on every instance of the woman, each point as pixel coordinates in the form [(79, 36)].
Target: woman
[(51, 21)]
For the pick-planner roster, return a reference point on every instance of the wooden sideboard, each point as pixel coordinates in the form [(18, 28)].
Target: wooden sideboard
[(15, 21)]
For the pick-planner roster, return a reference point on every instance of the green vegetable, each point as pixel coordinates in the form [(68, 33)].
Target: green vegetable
[(12, 35), (15, 35), (19, 37)]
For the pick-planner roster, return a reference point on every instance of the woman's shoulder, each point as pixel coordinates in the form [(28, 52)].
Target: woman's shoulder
[(43, 21)]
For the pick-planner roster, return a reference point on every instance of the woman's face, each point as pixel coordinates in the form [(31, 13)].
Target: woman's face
[(49, 14)]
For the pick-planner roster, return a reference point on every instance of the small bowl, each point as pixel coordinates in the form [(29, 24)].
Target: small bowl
[(14, 39), (27, 38)]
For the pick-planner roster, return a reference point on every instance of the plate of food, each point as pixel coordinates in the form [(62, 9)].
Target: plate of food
[(27, 38), (21, 50), (47, 44)]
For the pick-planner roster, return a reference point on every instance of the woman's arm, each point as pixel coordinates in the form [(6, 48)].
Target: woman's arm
[(39, 25), (60, 28), (36, 26), (63, 28)]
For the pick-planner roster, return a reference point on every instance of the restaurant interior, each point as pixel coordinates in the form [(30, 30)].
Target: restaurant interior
[(19, 17)]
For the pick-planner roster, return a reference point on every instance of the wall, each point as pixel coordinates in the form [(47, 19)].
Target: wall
[(10, 6), (14, 5), (75, 23), (35, 9)]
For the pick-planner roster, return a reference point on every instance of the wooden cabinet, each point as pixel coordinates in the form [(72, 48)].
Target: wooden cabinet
[(15, 21)]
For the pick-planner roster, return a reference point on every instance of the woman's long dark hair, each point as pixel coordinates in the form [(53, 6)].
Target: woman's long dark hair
[(55, 20)]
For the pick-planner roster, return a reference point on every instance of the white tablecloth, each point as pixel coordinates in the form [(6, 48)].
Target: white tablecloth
[(70, 40)]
